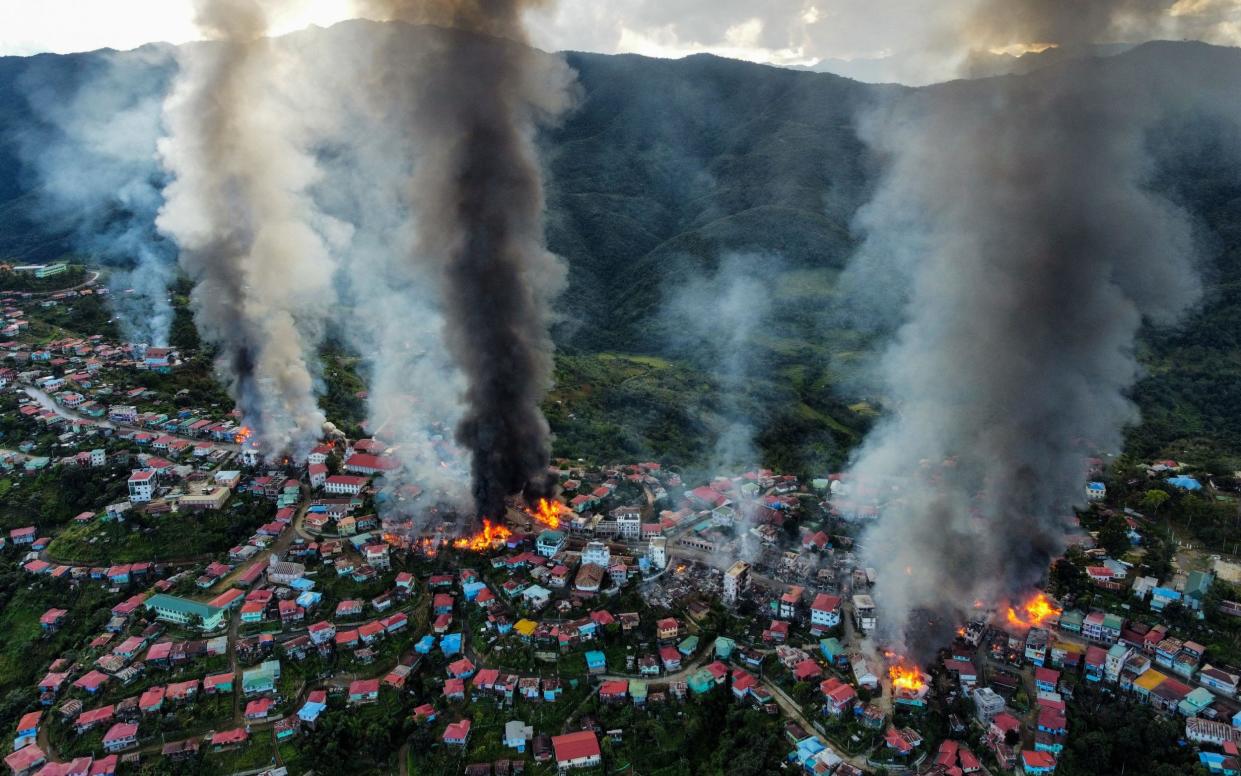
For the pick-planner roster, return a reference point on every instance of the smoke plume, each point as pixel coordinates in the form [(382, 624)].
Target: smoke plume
[(478, 207), (1019, 211), (717, 320), (391, 315), (94, 158), (248, 233)]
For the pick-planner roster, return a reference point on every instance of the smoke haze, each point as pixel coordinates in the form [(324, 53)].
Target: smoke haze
[(248, 233), (478, 208), (390, 312), (1019, 212), (719, 318), (94, 158)]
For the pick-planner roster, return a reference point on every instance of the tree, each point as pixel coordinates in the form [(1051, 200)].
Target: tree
[(1065, 578), (1114, 536), (1153, 499)]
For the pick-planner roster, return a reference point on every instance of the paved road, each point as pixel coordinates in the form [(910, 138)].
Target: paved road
[(792, 709), (46, 401), (90, 281)]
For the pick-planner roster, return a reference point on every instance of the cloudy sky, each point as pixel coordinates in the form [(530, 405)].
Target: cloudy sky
[(787, 32)]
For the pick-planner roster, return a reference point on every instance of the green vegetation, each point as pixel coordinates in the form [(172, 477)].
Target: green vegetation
[(25, 651), (179, 536), (1112, 735), (26, 281), (51, 499)]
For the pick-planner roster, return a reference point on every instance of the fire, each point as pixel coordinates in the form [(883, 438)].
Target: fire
[(484, 539), (906, 678), (1034, 613), (548, 512), (242, 435)]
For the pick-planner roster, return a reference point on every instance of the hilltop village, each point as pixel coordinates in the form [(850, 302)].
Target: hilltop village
[(202, 612)]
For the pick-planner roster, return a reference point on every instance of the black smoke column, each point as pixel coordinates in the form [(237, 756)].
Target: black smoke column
[(478, 200)]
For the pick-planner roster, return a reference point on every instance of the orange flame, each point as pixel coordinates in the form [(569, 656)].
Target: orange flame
[(1035, 612), (548, 512), (484, 539), (242, 435), (907, 678)]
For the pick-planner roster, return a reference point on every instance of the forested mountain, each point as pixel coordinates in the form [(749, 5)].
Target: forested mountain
[(672, 173)]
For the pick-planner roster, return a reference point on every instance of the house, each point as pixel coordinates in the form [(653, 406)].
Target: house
[(549, 543), (824, 613), (577, 750), (671, 658), (183, 611), (1046, 679), (667, 629), (1162, 596), (261, 679), (838, 696), (315, 704), (142, 486), (218, 683), (321, 632), (52, 619), (457, 733), (28, 725), (614, 690), (91, 682), (95, 717), (363, 691), (1219, 680), (229, 739), (344, 484), (349, 608), (596, 661), (25, 761), (516, 734), (1034, 762), (120, 736), (258, 709), (318, 475), (152, 700)]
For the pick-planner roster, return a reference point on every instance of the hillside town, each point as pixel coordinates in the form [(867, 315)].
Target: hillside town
[(556, 640)]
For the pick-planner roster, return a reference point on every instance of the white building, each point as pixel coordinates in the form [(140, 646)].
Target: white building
[(824, 612), (598, 554), (658, 551), (318, 475), (736, 579), (863, 673), (1142, 587), (344, 484), (987, 704), (1117, 656), (864, 613), (629, 525), (141, 486), (98, 457)]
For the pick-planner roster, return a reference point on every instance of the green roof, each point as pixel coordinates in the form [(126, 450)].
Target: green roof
[(181, 605), (1113, 621), (1073, 616), (1198, 583), (831, 645), (637, 688)]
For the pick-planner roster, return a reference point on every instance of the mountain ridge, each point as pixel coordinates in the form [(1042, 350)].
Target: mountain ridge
[(667, 167)]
